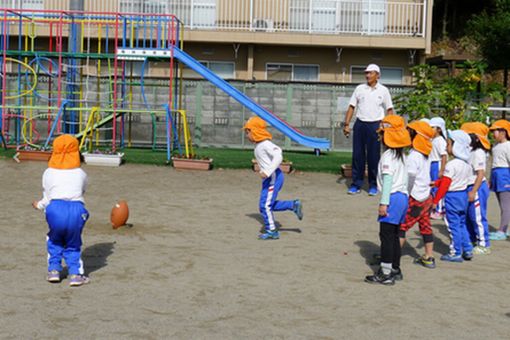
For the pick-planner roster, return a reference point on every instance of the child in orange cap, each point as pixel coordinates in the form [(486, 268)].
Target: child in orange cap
[(478, 190), (64, 184), (420, 199), (269, 158), (500, 175), (392, 183)]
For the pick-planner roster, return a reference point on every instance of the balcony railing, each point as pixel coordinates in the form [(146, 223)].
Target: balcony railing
[(363, 17)]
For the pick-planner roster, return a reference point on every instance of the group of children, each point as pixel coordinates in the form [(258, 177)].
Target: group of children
[(459, 192)]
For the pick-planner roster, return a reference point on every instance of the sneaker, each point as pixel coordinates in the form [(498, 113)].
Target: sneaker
[(481, 250), (53, 276), (427, 262), (468, 255), (372, 191), (78, 280), (353, 190), (379, 277), (397, 274), (298, 209), (436, 216), (269, 235), (452, 258), (497, 236)]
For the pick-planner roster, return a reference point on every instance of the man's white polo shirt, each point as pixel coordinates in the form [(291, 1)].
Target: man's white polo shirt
[(371, 103)]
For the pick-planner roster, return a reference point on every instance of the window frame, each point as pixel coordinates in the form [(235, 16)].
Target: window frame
[(292, 73), (382, 71)]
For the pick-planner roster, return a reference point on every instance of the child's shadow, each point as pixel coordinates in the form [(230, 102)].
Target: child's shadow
[(95, 256), (277, 224), (368, 250)]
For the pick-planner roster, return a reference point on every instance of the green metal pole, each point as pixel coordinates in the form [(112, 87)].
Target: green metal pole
[(288, 115), (198, 113)]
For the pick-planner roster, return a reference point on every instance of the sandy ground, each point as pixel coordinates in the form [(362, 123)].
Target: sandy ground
[(191, 267)]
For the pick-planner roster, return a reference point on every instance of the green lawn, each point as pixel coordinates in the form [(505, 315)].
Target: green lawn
[(237, 159)]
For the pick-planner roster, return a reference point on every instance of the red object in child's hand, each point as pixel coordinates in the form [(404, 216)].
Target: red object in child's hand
[(119, 214)]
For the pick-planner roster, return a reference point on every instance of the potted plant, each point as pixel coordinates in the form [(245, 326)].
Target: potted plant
[(103, 158), (192, 162), (346, 170), (32, 154), (285, 166)]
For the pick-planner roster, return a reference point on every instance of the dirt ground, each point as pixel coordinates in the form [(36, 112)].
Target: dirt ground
[(191, 267)]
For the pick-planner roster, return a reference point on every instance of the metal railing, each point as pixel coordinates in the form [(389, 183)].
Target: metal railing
[(364, 17)]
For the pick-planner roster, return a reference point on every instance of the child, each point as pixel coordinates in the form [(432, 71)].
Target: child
[(438, 158), (478, 190), (453, 187), (392, 183), (64, 184), (500, 175), (420, 200), (269, 157)]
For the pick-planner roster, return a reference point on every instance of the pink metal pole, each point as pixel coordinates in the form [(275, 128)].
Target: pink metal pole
[(115, 71), (60, 68), (4, 73)]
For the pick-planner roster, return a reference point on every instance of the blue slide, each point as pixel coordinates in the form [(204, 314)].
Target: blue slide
[(271, 119)]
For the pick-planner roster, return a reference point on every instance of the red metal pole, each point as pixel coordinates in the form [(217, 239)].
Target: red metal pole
[(60, 68), (116, 41), (50, 80), (4, 73)]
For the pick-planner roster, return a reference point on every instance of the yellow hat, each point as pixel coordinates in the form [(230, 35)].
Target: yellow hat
[(66, 154), (422, 142), (395, 133), (257, 126), (501, 124), (480, 130)]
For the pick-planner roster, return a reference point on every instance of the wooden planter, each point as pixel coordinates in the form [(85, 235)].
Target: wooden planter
[(33, 155), (285, 167), (103, 159), (346, 170), (192, 164)]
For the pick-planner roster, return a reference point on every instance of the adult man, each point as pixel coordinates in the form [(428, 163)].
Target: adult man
[(371, 102)]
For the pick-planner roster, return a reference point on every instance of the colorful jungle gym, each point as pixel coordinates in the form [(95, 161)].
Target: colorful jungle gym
[(83, 73)]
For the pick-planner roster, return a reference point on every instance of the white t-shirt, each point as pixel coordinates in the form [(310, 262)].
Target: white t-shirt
[(478, 161), (371, 103), (438, 149), (66, 185), (389, 164), (269, 156), (501, 155), (460, 172), (419, 166)]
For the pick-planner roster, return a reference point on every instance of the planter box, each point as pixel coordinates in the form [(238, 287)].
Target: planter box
[(103, 159), (33, 155), (285, 167), (346, 170), (192, 164)]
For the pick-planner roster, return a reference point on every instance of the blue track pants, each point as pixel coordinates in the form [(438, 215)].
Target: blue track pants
[(456, 205), (477, 224), (271, 186)]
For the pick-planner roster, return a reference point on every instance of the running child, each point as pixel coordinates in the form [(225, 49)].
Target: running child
[(392, 183), (269, 157), (438, 158), (478, 190), (453, 187), (64, 184), (500, 175), (420, 200)]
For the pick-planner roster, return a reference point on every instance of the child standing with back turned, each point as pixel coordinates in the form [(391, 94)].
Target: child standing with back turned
[(500, 175), (392, 183), (269, 158), (64, 184), (438, 158)]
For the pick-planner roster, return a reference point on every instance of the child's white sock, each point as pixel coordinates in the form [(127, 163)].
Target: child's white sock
[(386, 268)]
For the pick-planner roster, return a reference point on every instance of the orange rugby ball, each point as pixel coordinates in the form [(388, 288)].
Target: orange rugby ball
[(119, 214)]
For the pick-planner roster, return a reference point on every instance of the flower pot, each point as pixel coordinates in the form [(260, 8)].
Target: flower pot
[(192, 164), (285, 167), (103, 159), (346, 170), (33, 155)]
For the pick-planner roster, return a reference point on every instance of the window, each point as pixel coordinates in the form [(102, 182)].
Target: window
[(292, 72), (25, 4), (223, 69), (389, 75)]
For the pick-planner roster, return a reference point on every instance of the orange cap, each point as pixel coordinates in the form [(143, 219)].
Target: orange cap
[(480, 130), (66, 154), (395, 133), (422, 142), (501, 124), (257, 126)]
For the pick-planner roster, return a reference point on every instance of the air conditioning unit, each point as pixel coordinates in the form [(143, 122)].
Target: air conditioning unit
[(263, 25)]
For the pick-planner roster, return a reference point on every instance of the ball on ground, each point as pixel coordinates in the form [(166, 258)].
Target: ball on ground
[(119, 214)]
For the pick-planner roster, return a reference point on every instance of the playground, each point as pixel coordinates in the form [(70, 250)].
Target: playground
[(191, 265)]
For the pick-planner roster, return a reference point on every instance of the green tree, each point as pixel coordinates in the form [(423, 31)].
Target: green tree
[(491, 32), (463, 97)]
